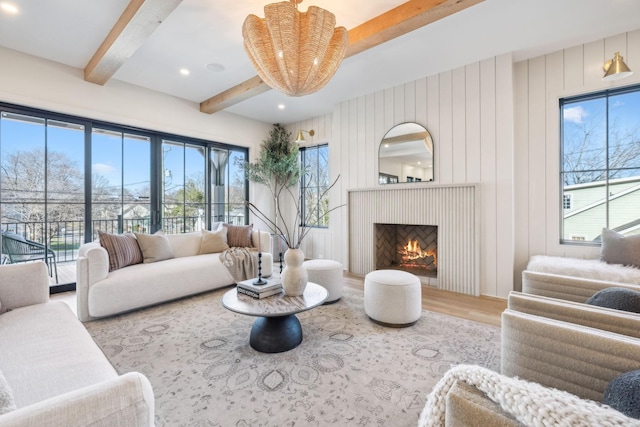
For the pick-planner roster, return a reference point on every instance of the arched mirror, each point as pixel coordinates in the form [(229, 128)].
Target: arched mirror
[(405, 155)]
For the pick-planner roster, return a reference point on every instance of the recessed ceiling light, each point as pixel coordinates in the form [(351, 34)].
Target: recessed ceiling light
[(215, 67), (281, 106), (184, 71), (9, 8)]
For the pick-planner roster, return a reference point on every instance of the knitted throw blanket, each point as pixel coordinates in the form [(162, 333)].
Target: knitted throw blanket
[(530, 403), (240, 263)]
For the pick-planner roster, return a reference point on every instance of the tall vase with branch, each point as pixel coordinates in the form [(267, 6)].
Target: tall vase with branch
[(294, 276), (276, 168), (279, 170)]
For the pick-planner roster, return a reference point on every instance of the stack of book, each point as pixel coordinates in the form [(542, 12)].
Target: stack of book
[(272, 287)]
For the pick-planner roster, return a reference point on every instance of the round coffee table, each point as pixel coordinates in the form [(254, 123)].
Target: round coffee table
[(276, 328)]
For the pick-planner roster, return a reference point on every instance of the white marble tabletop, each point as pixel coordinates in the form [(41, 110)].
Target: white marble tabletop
[(275, 305)]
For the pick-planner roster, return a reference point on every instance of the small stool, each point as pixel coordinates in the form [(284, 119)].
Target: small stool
[(328, 274), (393, 298)]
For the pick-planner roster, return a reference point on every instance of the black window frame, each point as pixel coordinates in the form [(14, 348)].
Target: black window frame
[(606, 94), (304, 186)]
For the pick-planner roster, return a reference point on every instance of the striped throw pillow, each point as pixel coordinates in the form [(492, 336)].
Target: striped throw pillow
[(123, 249)]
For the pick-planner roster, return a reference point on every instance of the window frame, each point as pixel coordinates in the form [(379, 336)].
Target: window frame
[(304, 187), (155, 137), (606, 94)]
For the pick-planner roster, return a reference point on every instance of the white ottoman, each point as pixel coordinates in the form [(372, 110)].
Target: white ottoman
[(392, 298), (328, 274)]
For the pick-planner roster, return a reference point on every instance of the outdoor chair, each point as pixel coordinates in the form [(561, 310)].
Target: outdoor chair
[(16, 249)]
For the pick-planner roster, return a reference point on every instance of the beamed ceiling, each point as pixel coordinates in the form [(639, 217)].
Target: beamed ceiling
[(148, 42)]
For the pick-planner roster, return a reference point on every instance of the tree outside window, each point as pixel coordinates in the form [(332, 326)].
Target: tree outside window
[(600, 166), (314, 185)]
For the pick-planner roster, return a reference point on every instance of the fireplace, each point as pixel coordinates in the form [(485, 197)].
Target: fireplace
[(412, 248)]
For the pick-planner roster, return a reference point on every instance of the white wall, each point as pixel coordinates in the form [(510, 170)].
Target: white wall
[(469, 113), (540, 83), (33, 82)]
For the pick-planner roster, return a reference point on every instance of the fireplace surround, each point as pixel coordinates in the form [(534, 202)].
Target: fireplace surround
[(452, 208)]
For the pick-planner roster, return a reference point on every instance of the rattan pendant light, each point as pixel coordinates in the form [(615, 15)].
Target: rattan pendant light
[(294, 52)]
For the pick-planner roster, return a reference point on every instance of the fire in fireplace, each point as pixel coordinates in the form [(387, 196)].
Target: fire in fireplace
[(412, 248)]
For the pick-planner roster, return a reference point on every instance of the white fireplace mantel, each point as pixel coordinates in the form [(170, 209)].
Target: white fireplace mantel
[(453, 208)]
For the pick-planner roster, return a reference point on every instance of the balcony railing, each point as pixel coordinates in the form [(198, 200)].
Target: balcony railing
[(65, 237)]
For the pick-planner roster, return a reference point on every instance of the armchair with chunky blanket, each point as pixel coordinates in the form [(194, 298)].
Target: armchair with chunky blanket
[(557, 359)]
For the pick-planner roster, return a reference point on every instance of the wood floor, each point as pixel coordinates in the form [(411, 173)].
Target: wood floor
[(480, 309)]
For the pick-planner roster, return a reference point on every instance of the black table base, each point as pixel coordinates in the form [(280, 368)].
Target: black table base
[(275, 334)]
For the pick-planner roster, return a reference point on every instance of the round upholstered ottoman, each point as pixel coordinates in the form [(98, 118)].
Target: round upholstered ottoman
[(392, 298), (328, 274)]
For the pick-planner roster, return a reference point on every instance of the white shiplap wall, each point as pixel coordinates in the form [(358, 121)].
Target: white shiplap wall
[(540, 83), (469, 112)]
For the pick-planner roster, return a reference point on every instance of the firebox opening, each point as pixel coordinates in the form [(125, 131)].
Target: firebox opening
[(412, 248)]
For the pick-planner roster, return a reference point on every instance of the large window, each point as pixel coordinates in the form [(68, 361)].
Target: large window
[(64, 178), (314, 185), (600, 168)]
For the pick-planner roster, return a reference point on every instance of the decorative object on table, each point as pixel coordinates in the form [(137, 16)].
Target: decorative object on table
[(259, 280), (278, 169), (294, 275), (294, 52), (272, 286)]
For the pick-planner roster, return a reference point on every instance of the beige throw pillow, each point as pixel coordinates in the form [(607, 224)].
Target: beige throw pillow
[(123, 249), (620, 249), (214, 241), (155, 247), (239, 236)]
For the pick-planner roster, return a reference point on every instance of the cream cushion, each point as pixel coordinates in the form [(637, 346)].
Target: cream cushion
[(154, 247), (328, 274), (214, 241), (186, 244), (393, 297)]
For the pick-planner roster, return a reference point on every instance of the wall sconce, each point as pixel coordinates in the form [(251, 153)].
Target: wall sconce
[(300, 138), (616, 69)]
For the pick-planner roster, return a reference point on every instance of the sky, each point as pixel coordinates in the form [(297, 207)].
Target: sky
[(111, 152)]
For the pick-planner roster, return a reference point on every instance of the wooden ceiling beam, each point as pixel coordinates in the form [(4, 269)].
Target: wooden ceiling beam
[(396, 22), (138, 21)]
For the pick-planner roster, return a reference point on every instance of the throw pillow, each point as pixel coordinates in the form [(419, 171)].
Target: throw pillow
[(214, 241), (620, 249), (123, 249), (616, 298), (623, 394), (155, 247), (7, 404), (239, 236)]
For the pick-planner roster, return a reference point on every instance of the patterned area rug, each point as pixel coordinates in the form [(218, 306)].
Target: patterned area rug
[(347, 371)]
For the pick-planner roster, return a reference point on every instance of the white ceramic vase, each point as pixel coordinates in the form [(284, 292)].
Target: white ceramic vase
[(294, 275)]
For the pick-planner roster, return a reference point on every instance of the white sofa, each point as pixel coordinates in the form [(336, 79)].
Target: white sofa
[(56, 375), (101, 293)]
